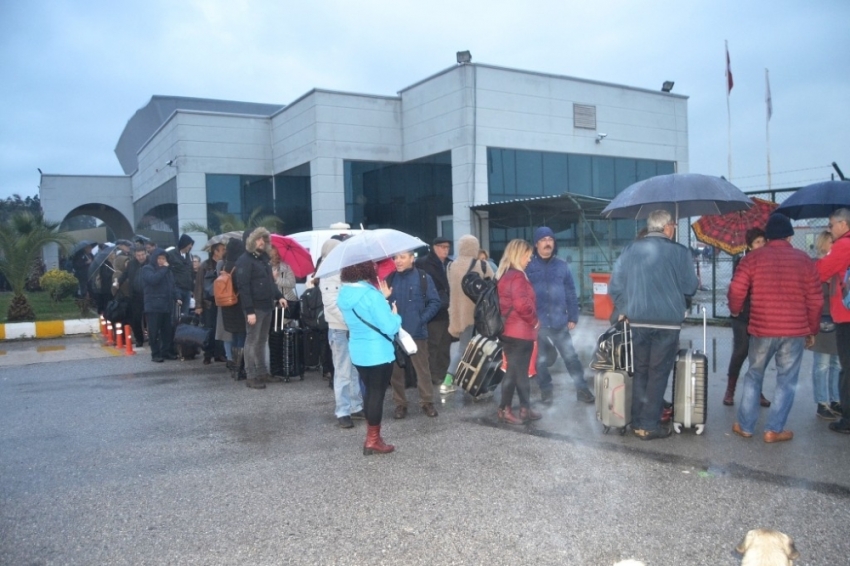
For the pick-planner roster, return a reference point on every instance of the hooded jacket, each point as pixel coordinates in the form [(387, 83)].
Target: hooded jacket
[(461, 307), (330, 286), (437, 269), (832, 268), (650, 281), (232, 317), (416, 309), (253, 276), (367, 347), (160, 290), (554, 288), (786, 297), (181, 267)]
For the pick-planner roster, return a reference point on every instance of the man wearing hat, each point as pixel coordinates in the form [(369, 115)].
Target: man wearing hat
[(557, 309), (785, 309), (435, 264)]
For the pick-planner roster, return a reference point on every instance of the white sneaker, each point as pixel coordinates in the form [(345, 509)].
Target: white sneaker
[(446, 389)]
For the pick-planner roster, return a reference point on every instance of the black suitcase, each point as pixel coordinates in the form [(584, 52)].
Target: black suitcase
[(690, 386), (286, 348), (480, 369), (313, 344)]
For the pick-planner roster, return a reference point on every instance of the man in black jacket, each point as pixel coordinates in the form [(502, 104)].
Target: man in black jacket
[(205, 303), (132, 278), (439, 339), (258, 294), (180, 261)]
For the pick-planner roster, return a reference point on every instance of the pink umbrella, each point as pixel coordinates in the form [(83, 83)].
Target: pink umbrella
[(294, 255)]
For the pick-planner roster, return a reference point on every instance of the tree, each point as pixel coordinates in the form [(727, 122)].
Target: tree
[(230, 222), (14, 204), (21, 239)]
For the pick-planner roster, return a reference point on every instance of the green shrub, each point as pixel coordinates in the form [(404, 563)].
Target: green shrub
[(58, 284)]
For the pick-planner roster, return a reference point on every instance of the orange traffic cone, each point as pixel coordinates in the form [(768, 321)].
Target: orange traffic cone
[(129, 351), (110, 337), (119, 332)]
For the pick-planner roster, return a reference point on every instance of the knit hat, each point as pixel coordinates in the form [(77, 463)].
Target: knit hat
[(543, 232), (778, 227)]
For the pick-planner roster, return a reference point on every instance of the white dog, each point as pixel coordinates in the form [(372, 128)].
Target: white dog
[(766, 547)]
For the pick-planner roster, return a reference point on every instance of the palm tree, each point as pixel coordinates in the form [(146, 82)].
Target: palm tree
[(21, 241), (231, 222)]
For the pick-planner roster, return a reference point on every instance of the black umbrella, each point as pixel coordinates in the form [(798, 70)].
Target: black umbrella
[(817, 201), (80, 246), (99, 258)]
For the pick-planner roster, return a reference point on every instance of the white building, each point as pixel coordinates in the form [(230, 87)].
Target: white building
[(472, 135)]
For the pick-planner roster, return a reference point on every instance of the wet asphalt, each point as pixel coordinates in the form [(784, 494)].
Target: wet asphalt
[(108, 459)]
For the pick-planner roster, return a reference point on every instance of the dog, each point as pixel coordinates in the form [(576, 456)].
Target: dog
[(766, 547)]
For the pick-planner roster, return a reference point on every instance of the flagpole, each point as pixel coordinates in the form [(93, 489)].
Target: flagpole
[(728, 111), (769, 104)]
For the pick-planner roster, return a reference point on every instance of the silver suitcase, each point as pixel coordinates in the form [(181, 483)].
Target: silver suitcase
[(690, 387), (613, 399)]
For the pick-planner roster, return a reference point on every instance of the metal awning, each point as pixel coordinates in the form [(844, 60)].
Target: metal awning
[(553, 211)]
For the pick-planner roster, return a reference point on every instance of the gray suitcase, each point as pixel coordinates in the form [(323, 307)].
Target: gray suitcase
[(613, 399), (690, 387)]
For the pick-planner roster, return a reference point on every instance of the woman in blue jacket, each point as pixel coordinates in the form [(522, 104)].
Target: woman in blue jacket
[(372, 325)]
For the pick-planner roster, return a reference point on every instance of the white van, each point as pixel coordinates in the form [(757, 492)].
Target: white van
[(313, 240)]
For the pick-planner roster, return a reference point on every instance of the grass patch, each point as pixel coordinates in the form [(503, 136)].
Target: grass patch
[(44, 308)]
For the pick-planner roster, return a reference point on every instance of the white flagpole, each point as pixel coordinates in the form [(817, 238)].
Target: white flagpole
[(728, 111), (768, 101)]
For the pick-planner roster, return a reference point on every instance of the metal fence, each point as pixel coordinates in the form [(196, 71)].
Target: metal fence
[(714, 267)]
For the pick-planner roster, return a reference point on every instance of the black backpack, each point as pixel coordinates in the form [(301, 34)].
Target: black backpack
[(488, 313), (472, 283), (313, 309)]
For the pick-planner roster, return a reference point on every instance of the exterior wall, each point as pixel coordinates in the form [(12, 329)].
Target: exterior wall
[(199, 143), (325, 128)]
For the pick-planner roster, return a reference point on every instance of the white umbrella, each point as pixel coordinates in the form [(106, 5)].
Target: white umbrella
[(370, 245)]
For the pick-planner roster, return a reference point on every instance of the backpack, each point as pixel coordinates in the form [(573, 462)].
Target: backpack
[(472, 283), (223, 291), (488, 314), (313, 309)]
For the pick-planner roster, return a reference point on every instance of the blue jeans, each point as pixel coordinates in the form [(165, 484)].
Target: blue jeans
[(655, 353), (184, 295), (789, 354), (826, 370), (346, 379), (563, 342)]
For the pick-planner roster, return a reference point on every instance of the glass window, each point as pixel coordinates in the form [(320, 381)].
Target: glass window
[(625, 173), (529, 173), (603, 177), (555, 179), (157, 214), (645, 169), (293, 199), (238, 196), (494, 168), (581, 179)]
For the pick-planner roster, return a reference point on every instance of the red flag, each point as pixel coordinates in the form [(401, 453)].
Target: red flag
[(729, 82)]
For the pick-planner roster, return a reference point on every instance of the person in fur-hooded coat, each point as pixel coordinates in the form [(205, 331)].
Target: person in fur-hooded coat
[(461, 307)]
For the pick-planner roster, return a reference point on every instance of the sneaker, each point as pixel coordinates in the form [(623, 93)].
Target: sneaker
[(835, 407), (585, 396), (360, 415), (661, 432), (446, 389), (841, 426), (825, 412), (345, 422)]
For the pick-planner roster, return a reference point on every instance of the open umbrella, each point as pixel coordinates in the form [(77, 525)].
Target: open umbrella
[(100, 257), (369, 245), (221, 239), (817, 201), (294, 255), (80, 246), (728, 231), (681, 194)]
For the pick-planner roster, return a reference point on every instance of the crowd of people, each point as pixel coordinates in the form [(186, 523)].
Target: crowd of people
[(779, 298)]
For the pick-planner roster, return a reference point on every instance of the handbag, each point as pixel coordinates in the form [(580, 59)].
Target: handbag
[(614, 351), (401, 357), (405, 340), (189, 331), (827, 325)]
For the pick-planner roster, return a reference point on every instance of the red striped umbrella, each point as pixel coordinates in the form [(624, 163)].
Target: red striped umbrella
[(728, 231)]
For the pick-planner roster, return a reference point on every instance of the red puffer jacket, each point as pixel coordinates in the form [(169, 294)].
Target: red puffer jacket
[(518, 305), (784, 288), (832, 268)]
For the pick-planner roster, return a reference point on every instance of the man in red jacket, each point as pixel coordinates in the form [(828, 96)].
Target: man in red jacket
[(833, 267), (785, 310)]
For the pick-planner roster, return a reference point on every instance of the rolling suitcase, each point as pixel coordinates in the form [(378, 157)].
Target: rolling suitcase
[(285, 349), (313, 343), (479, 371), (690, 386), (614, 361)]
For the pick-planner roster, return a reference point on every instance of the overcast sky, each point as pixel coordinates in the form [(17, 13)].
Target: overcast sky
[(74, 72)]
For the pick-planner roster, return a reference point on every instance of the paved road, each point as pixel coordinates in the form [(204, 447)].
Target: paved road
[(115, 460)]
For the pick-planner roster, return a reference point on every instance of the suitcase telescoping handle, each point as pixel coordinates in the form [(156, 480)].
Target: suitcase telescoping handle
[(704, 326)]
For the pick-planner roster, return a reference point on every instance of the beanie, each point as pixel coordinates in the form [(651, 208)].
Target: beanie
[(543, 232), (778, 227)]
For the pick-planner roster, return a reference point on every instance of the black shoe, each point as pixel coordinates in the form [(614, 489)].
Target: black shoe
[(345, 422), (359, 415), (835, 407), (268, 378), (170, 357), (842, 426), (546, 396), (825, 413), (661, 432), (585, 396), (400, 412), (157, 360)]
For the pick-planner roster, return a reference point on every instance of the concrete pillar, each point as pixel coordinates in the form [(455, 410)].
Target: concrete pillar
[(327, 191)]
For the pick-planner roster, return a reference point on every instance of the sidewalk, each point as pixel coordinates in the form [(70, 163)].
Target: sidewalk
[(48, 328)]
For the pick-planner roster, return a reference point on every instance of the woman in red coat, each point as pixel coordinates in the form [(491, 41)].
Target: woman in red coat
[(519, 311)]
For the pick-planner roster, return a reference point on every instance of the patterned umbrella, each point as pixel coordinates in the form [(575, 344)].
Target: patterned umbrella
[(294, 255), (727, 231)]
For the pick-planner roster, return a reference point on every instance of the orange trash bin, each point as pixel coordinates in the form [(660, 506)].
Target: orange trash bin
[(603, 306)]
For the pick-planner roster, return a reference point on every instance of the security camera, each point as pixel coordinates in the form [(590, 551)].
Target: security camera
[(600, 137), (170, 162)]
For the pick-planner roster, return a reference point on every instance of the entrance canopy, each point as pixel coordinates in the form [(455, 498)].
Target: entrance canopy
[(558, 212)]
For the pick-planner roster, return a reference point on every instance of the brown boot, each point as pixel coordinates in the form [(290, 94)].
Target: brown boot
[(527, 414), (374, 443), (507, 416), (729, 397), (763, 400)]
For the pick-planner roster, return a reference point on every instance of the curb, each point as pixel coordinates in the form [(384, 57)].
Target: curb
[(48, 328)]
